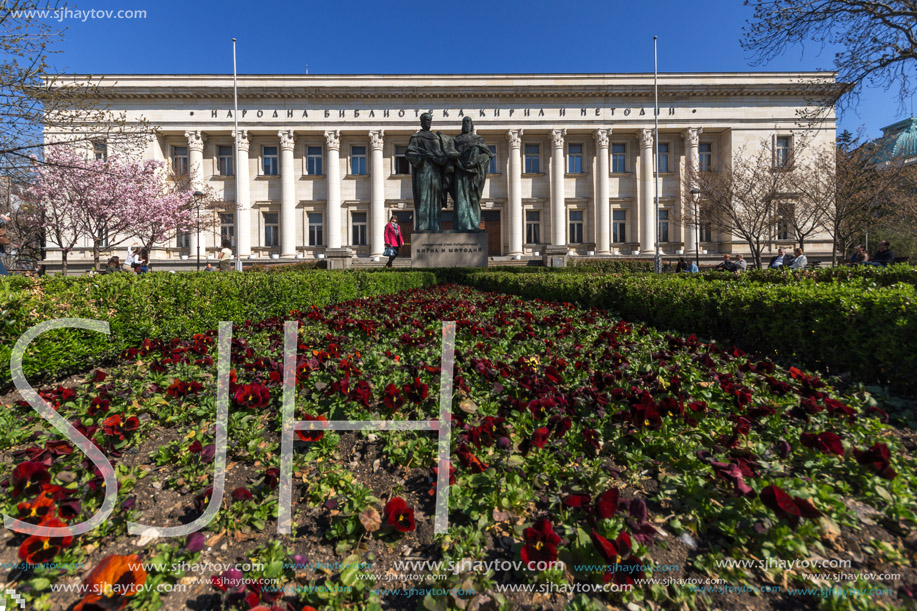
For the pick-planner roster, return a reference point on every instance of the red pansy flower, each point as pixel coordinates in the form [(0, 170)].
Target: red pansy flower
[(28, 478), (540, 437), (577, 500), (271, 477), (790, 508), (38, 509), (452, 471), (115, 426), (469, 461), (827, 442), (876, 458), (98, 404), (540, 544), (416, 391), (38, 550), (202, 499), (362, 393), (241, 494), (252, 396), (392, 398), (314, 434), (399, 515), (606, 504)]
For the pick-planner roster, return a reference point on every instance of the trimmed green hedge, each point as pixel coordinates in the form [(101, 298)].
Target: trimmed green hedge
[(299, 266), (864, 274), (610, 266), (870, 332), (162, 306)]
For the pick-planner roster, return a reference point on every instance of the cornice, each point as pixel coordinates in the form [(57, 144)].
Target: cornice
[(398, 88)]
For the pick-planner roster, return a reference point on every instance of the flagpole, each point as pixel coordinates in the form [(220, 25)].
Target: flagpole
[(657, 261), (235, 135)]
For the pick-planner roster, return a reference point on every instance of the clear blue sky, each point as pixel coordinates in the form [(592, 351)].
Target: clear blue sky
[(391, 36)]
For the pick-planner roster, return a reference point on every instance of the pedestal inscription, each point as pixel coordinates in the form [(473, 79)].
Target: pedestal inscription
[(449, 249)]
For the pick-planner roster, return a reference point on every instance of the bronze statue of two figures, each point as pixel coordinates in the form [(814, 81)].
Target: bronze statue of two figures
[(443, 165)]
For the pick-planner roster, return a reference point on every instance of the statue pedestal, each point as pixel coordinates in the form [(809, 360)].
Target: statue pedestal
[(554, 256), (449, 249), (338, 258)]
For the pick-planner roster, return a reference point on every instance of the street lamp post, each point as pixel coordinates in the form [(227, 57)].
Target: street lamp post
[(695, 195), (198, 195)]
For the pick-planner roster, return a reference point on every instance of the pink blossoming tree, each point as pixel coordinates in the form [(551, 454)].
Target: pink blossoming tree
[(106, 201)]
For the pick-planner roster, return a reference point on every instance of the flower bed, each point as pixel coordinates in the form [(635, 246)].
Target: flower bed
[(868, 331), (622, 452), (161, 306)]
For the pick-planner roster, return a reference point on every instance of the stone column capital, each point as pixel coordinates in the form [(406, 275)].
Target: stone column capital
[(286, 139), (515, 138), (195, 140), (601, 138), (242, 141), (333, 139), (376, 139), (646, 138), (557, 138), (692, 135)]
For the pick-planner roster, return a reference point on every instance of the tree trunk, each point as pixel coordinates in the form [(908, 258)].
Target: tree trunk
[(64, 253), (96, 246), (755, 252)]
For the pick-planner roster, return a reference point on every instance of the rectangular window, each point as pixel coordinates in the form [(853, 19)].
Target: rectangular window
[(574, 158), (224, 160), (663, 159), (576, 226), (402, 165), (706, 229), (228, 228), (314, 160), (705, 157), (316, 229), (663, 225), (533, 227), (271, 229), (492, 168), (358, 221), (99, 150), (784, 221), (269, 161), (532, 158), (618, 158), (180, 160), (183, 239), (619, 226), (782, 151), (358, 160)]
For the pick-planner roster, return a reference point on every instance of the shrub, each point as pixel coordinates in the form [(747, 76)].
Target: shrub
[(881, 276), (298, 266), (611, 266), (869, 331), (162, 306)]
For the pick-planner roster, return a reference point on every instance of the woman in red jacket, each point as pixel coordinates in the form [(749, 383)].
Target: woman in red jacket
[(393, 240)]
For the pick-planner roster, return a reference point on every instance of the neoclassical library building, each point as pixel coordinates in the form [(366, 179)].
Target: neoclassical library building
[(320, 159)]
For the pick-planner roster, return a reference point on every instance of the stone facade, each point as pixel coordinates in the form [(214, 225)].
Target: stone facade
[(319, 158)]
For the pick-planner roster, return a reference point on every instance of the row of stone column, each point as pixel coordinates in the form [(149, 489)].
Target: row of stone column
[(646, 207)]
